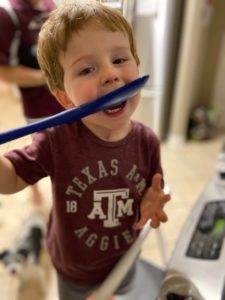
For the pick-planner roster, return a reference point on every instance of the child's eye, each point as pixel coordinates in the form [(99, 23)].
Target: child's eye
[(118, 61), (86, 71)]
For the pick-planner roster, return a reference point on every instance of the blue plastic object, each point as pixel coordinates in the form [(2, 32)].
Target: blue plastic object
[(76, 113)]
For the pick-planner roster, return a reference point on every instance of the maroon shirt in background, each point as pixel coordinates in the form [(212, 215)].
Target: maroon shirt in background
[(38, 102), (97, 188)]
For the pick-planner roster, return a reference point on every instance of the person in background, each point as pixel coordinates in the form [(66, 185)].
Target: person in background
[(20, 23), (105, 169)]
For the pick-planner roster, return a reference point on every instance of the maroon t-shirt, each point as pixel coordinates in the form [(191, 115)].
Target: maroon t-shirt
[(97, 188), (38, 102)]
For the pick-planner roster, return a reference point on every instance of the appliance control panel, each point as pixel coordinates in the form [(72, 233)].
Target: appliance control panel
[(199, 252), (208, 236)]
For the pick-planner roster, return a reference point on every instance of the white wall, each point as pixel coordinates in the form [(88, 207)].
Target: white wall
[(218, 89), (213, 85), (197, 19)]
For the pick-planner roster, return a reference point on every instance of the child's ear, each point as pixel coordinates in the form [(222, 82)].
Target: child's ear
[(63, 99)]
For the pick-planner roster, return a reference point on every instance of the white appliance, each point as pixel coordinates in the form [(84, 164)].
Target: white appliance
[(200, 250), (157, 26)]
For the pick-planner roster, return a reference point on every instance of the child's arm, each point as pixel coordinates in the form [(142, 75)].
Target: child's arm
[(152, 204), (10, 182), (22, 76)]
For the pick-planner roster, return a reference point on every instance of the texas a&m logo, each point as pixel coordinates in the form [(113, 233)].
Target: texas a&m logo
[(118, 206)]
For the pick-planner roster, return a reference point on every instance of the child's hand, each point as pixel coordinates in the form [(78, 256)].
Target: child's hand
[(152, 204)]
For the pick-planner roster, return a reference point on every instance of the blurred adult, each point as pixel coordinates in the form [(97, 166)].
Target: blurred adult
[(20, 23)]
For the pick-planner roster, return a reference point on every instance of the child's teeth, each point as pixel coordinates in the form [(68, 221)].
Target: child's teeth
[(113, 110)]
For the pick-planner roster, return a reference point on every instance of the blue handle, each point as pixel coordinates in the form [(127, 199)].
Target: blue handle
[(76, 113)]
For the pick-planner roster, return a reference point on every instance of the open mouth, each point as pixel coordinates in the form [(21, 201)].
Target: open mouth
[(114, 110)]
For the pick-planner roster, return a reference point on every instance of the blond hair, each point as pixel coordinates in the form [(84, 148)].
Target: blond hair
[(69, 17)]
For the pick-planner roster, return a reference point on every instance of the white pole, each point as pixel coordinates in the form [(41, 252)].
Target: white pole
[(117, 274)]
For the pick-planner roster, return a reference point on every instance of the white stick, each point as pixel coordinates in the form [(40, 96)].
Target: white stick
[(117, 274)]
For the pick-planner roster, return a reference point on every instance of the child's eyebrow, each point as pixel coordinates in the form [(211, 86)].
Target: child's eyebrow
[(80, 59), (89, 56)]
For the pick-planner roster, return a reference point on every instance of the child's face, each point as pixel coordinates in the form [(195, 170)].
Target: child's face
[(96, 62)]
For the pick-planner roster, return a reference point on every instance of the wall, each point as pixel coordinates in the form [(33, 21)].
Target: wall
[(194, 40), (213, 82), (201, 69)]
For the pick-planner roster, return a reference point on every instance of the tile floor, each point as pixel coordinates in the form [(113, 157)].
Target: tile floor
[(187, 170)]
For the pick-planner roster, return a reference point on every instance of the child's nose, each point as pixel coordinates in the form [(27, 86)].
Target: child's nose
[(111, 79), (110, 76)]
